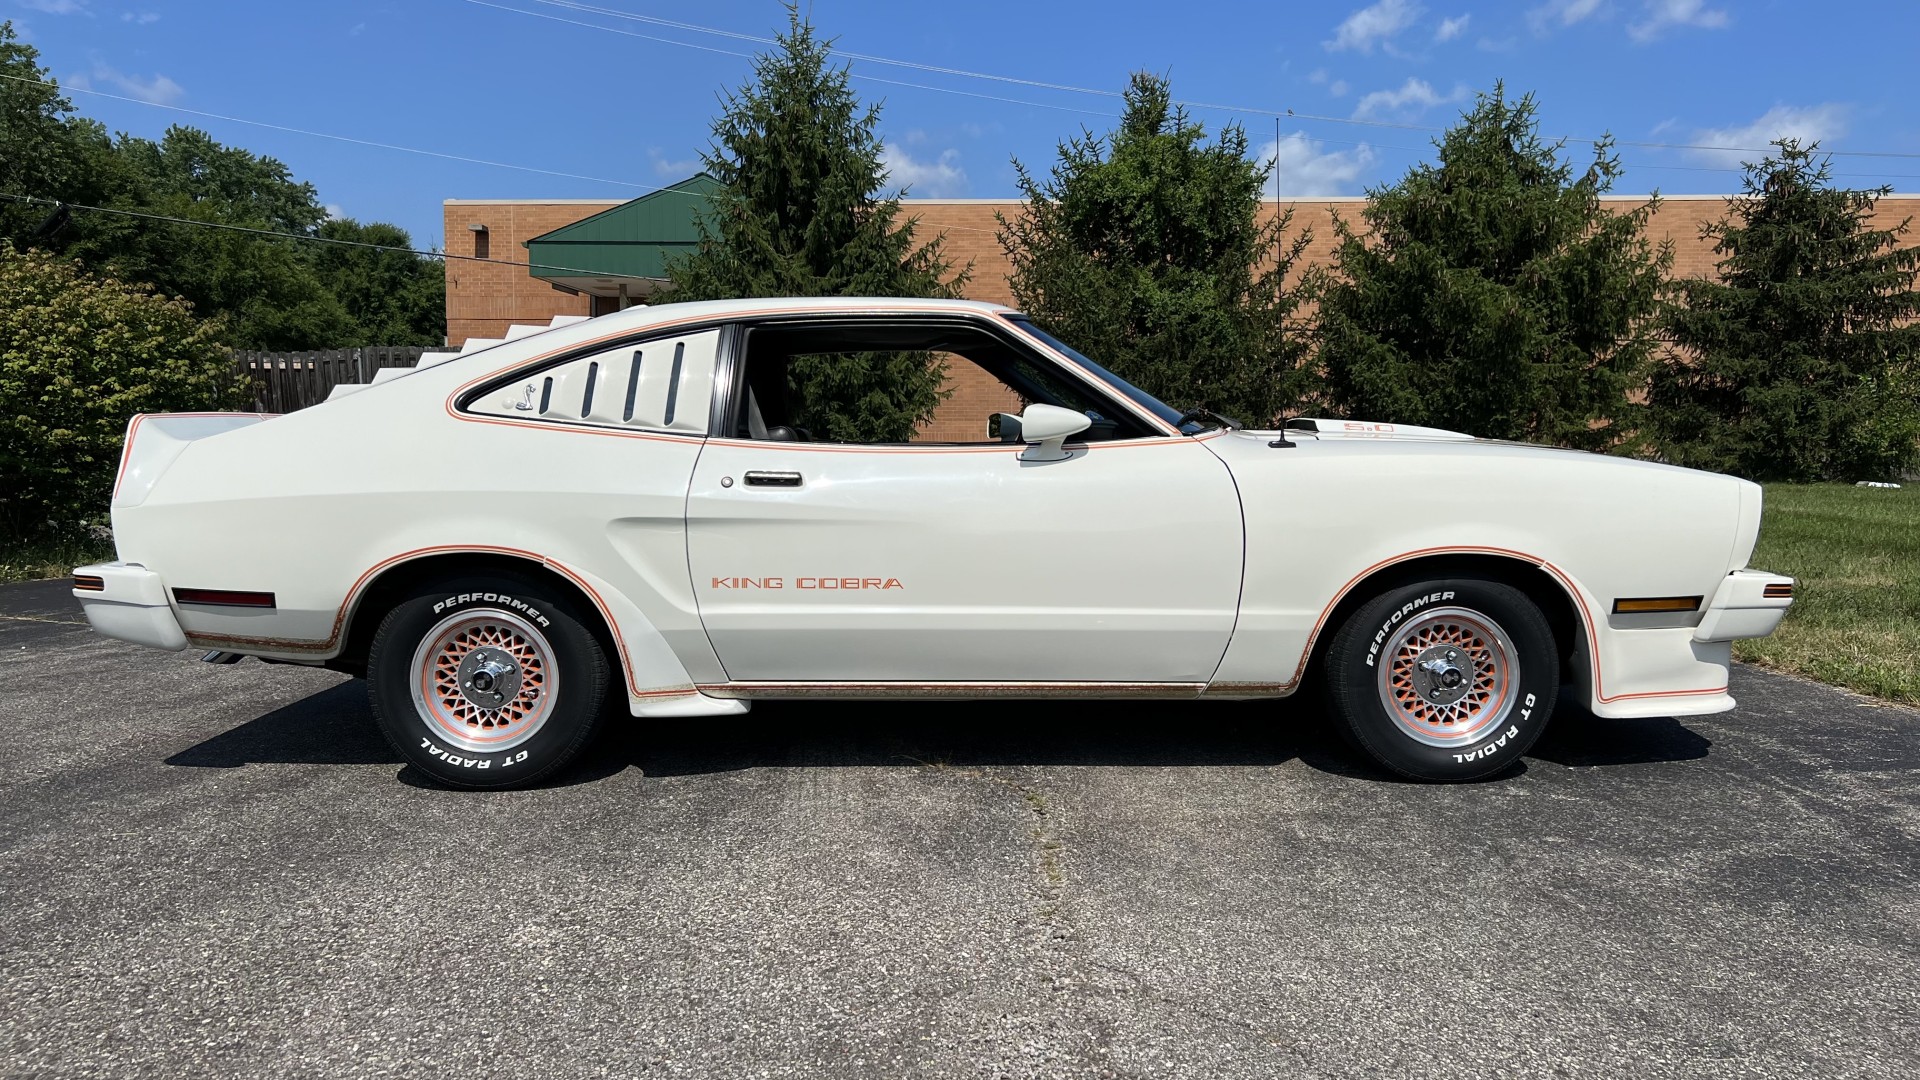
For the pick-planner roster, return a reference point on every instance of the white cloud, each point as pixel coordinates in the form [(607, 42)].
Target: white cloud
[(1415, 96), (1662, 15), (1563, 13), (1335, 87), (1374, 24), (158, 89), (1452, 28), (1307, 168), (939, 178), (143, 18), (675, 171), (1746, 142), (56, 7), (334, 211)]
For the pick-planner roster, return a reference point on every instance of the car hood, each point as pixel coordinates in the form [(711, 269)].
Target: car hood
[(1320, 429), (1348, 466)]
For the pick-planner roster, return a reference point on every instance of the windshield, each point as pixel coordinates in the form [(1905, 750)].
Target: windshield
[(1119, 385)]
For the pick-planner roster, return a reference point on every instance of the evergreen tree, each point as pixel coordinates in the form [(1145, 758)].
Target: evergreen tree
[(805, 212), (1493, 293), (1144, 250), (1799, 363)]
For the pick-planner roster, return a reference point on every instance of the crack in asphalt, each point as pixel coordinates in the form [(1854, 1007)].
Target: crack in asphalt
[(1069, 969)]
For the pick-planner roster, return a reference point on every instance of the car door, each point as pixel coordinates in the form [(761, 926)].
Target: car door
[(836, 563)]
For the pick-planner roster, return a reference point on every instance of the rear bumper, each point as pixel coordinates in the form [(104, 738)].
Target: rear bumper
[(1748, 604), (130, 603)]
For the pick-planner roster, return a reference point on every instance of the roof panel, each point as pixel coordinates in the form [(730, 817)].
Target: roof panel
[(634, 239)]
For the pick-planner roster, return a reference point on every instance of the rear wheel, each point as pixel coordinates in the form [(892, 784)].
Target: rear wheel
[(486, 682), (1445, 680)]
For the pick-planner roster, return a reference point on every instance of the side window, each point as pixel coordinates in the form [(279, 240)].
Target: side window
[(864, 383), (664, 383)]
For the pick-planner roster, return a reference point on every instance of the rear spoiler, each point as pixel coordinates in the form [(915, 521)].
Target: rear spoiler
[(154, 440)]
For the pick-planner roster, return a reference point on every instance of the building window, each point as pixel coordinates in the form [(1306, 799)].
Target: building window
[(481, 248)]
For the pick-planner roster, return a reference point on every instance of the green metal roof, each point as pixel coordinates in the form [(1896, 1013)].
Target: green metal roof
[(632, 240)]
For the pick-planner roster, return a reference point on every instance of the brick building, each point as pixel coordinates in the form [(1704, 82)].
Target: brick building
[(595, 256)]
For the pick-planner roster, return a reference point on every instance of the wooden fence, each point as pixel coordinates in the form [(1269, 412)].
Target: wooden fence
[(285, 381)]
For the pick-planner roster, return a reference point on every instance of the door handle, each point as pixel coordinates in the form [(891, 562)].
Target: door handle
[(773, 479)]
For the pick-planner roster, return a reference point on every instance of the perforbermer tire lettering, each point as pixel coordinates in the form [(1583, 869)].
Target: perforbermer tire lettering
[(1444, 680), (498, 684)]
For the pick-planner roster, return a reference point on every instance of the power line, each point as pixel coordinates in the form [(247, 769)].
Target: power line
[(652, 189), (328, 135), (571, 5), (768, 41), (574, 5), (641, 189), (34, 200)]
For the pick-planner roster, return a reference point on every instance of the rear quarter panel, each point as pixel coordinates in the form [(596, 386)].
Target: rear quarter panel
[(311, 504)]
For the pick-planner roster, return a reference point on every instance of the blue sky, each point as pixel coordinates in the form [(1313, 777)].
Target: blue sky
[(568, 87)]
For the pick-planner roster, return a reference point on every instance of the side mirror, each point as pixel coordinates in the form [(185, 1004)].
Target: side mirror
[(1045, 428)]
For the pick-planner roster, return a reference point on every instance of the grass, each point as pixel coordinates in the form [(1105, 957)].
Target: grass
[(42, 559), (1855, 620)]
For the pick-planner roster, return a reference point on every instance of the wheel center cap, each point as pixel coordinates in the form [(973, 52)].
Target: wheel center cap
[(1443, 674), (489, 678)]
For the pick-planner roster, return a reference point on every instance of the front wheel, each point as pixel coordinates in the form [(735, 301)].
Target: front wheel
[(1445, 680), (486, 682)]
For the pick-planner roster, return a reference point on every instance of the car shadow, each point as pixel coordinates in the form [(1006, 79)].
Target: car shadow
[(972, 734), (1579, 739), (335, 727), (332, 727)]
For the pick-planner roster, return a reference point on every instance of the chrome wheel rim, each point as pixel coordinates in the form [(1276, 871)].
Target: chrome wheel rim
[(1447, 675), (484, 680)]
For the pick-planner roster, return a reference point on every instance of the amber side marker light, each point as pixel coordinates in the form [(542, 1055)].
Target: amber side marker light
[(1778, 592), (1645, 604), (224, 598), (89, 583)]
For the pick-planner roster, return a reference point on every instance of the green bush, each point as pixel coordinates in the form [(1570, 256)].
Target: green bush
[(78, 357)]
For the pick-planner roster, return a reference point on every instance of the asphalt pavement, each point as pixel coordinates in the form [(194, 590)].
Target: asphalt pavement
[(224, 871)]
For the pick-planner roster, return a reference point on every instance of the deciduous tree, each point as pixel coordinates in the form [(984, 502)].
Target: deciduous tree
[(273, 293)]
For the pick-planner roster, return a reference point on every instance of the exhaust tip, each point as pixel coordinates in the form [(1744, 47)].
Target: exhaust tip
[(219, 657)]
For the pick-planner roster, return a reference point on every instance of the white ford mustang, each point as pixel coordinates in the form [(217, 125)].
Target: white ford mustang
[(635, 504)]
